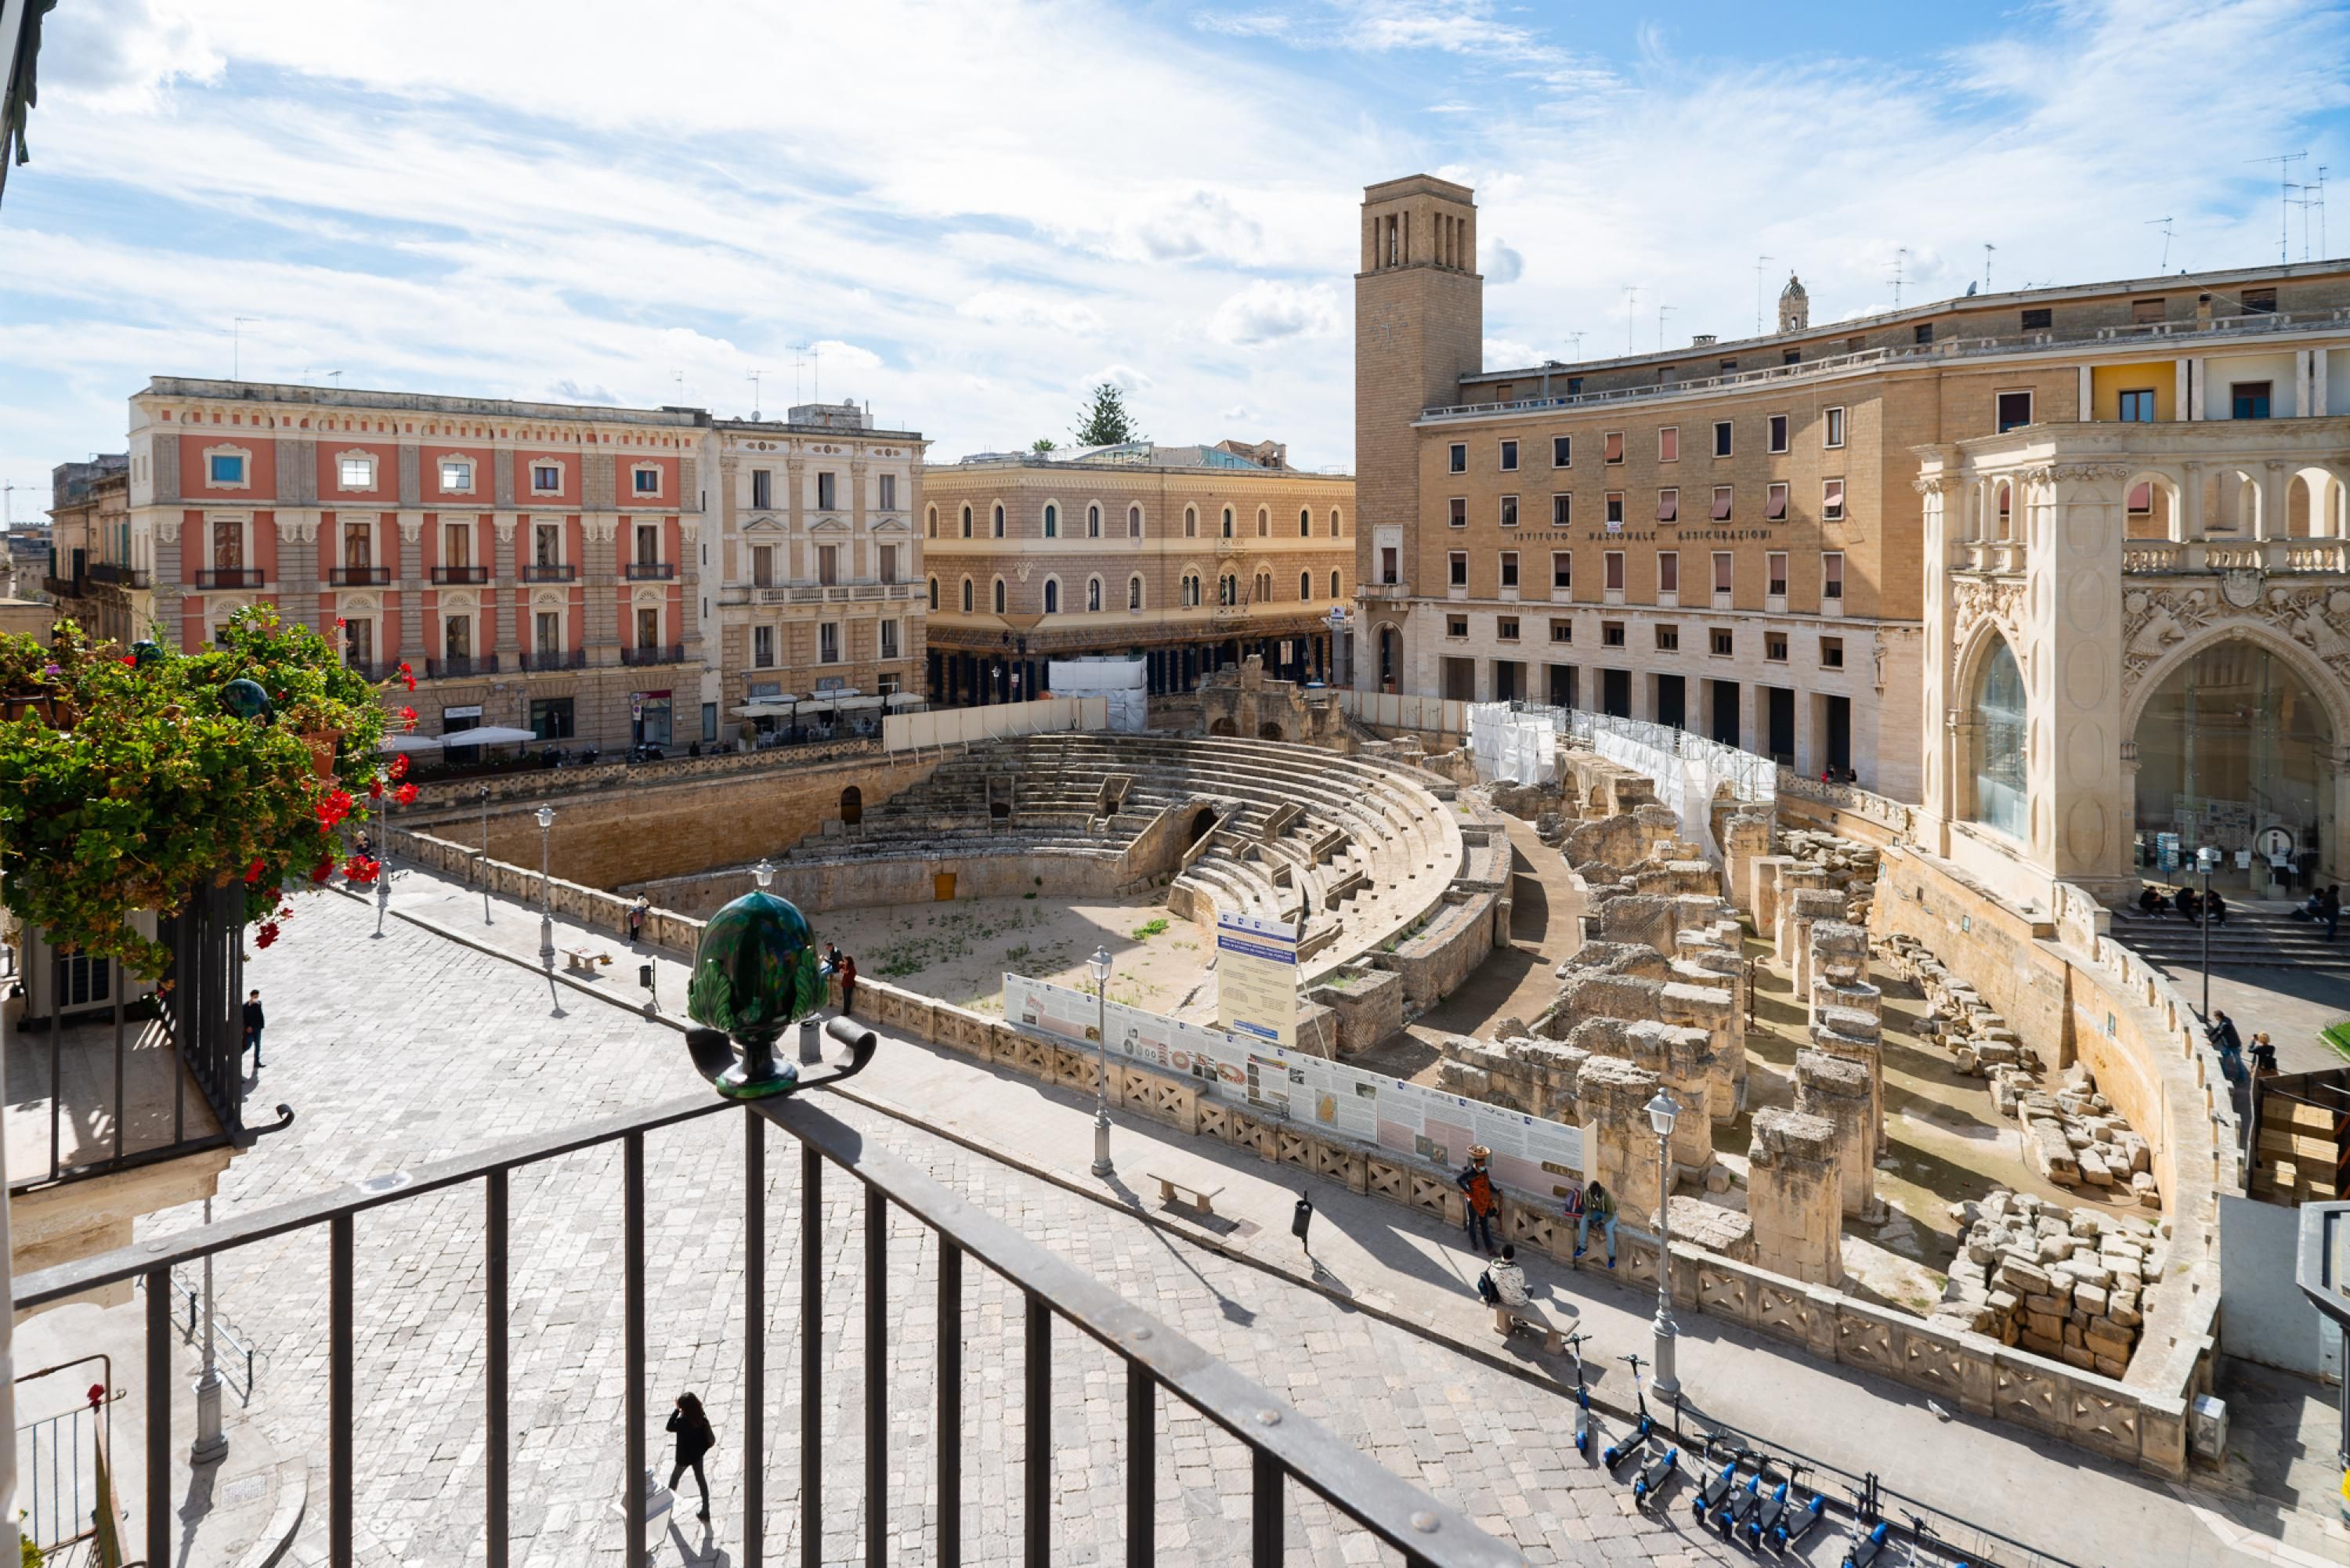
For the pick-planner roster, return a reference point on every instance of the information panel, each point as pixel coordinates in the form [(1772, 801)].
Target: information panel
[(1532, 1156), (1256, 978)]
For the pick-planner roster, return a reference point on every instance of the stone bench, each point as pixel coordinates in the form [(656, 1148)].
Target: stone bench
[(1535, 1318), (1174, 1193)]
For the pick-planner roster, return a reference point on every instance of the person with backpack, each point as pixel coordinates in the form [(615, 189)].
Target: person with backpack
[(1503, 1282), (1599, 1204), (1483, 1201), (694, 1439)]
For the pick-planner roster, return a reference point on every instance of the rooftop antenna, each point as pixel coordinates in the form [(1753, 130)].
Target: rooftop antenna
[(753, 378), (236, 346), (2321, 209), (336, 378), (2164, 224), (1662, 311), (1900, 258), (1578, 345), (1988, 248), (1631, 299), (2284, 163), (810, 355), (1758, 292), (8, 504)]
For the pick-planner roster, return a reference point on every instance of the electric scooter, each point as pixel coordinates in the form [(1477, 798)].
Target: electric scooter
[(1654, 1476), (1582, 1397), (1718, 1486), (1797, 1519), (1875, 1547), (1764, 1518), (1632, 1442), (1742, 1503)]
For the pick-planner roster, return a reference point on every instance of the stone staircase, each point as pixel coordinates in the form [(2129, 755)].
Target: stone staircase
[(2254, 936)]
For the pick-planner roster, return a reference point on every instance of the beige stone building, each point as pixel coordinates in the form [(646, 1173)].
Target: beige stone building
[(1189, 556), (813, 607), (1730, 536), (93, 581)]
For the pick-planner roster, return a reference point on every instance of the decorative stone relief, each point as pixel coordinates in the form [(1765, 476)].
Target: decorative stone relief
[(1977, 598)]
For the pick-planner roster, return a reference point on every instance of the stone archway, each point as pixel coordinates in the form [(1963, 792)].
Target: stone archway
[(1223, 727), (852, 806), (1270, 733)]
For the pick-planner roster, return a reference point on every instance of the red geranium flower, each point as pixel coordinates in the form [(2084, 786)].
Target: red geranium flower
[(359, 868), (253, 872), (375, 789), (266, 935), (323, 869), (333, 806), (338, 623), (130, 663), (405, 795), (400, 766)]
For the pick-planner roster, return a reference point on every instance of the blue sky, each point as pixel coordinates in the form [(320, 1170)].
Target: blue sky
[(966, 213)]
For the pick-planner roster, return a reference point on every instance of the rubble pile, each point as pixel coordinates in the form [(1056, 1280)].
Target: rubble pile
[(1846, 865), (1977, 1038), (2074, 1286)]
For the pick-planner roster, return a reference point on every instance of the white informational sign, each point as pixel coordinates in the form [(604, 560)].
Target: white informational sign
[(1256, 978), (1532, 1156)]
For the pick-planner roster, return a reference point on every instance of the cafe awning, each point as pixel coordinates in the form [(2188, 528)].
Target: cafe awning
[(409, 744)]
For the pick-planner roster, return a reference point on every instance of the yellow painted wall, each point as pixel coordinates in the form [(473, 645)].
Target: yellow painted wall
[(2108, 383)]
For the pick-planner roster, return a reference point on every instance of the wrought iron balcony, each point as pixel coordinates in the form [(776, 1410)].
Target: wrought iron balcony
[(461, 574), (359, 577), (120, 576), (459, 667), (652, 571), (554, 659), (228, 576), (674, 653), (63, 587), (1063, 1313), (548, 574), (372, 668)]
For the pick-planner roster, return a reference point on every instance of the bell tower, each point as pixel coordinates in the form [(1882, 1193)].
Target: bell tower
[(1419, 326)]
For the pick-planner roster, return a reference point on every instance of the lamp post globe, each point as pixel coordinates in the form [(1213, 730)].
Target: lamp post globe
[(1663, 1109), (1098, 966)]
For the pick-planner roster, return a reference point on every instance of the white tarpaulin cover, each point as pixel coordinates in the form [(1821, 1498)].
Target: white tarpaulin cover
[(1124, 681), (1514, 747)]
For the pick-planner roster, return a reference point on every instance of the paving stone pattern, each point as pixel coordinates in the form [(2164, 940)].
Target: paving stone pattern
[(409, 1049)]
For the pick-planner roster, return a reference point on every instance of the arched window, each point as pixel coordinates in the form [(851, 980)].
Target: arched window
[(1134, 522), (2000, 784), (1134, 592), (1190, 590), (1228, 586), (1264, 587), (1264, 523), (1093, 595), (1228, 522), (1190, 522), (1336, 531), (999, 521), (1304, 585), (1052, 521), (999, 595), (966, 521), (1093, 521), (1333, 586), (1305, 523), (1052, 597), (934, 592), (966, 595), (931, 523)]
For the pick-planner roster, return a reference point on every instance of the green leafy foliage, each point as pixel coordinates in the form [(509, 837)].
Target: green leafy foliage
[(130, 787), (1106, 422)]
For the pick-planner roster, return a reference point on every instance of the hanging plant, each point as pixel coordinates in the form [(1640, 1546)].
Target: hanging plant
[(127, 785)]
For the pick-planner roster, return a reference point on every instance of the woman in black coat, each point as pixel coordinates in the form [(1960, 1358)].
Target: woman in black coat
[(694, 1439)]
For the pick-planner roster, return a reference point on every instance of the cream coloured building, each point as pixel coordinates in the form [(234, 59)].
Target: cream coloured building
[(1189, 556)]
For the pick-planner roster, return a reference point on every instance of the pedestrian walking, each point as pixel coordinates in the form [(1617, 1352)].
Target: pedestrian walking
[(1599, 1204), (253, 1022), (694, 1439), (1503, 1282), (848, 984), (1483, 1201), (2263, 1056), (636, 913)]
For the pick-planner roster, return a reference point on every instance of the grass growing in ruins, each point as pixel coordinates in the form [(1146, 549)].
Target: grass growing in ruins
[(1150, 929)]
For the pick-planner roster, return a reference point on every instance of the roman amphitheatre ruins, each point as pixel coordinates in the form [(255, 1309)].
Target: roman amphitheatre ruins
[(1973, 1150)]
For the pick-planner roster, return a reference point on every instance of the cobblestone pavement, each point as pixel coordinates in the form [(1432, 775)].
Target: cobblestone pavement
[(408, 1049)]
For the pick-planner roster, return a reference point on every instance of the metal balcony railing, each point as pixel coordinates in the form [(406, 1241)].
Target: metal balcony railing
[(1283, 1446), (550, 574), (672, 654), (63, 587), (372, 668), (460, 666), (228, 576), (359, 577), (461, 574), (120, 575), (652, 571), (554, 659)]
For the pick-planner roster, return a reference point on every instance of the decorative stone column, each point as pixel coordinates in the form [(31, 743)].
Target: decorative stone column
[(2079, 819), (1794, 1197), (1838, 1091)]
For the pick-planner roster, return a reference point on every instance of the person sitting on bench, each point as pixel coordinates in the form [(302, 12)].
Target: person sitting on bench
[(1503, 1283)]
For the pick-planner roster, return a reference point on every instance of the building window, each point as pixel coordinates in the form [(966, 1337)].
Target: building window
[(358, 643), (2260, 302), (1228, 590), (1228, 522), (358, 544), (545, 478), (996, 521), (1722, 504), (457, 545), (1190, 590), (1509, 511), (1305, 523), (1723, 565), (1336, 531), (456, 474), (457, 638), (1052, 597), (648, 628), (889, 640), (1562, 452), (1191, 523), (1669, 571), (2248, 400), (1790, 357), (1052, 521), (1832, 577), (2014, 408), (1834, 427), (1831, 653), (648, 545), (888, 557), (1134, 522), (1611, 447), (1562, 509), (1774, 502), (828, 642), (999, 595), (1668, 444), (1776, 439), (647, 481), (1505, 629), (1561, 569), (2039, 320), (828, 497), (1611, 634), (1509, 457), (1612, 575), (1134, 592), (2140, 501), (547, 629), (356, 472), (1458, 457), (226, 468), (1264, 523), (1093, 521), (1561, 631), (1457, 512), (2137, 406), (762, 565), (1306, 587), (763, 647), (1923, 333), (887, 501), (1668, 639), (1668, 506), (1092, 595), (1774, 647), (1456, 625), (762, 494), (1457, 569), (1775, 571), (1509, 568), (930, 523), (827, 564), (934, 592), (1722, 438), (1832, 500), (1614, 499), (1725, 641), (2000, 713), (966, 521), (966, 595)]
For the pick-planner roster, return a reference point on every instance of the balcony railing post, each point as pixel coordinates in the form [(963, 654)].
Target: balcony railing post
[(159, 1415), (949, 1424), (1141, 1466), (877, 1377), (1264, 1510), (339, 1410), (755, 1337), (493, 1328), (811, 1356), (1037, 1419), (632, 1397)]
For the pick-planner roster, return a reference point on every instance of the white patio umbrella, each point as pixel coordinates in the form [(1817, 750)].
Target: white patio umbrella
[(489, 735), (409, 744)]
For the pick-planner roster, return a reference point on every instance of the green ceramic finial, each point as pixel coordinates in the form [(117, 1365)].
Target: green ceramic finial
[(246, 700), (754, 974)]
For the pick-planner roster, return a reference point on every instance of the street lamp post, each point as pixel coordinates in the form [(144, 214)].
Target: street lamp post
[(1662, 1110), (383, 866), (2207, 860), (485, 855), (1099, 965), (546, 901), (211, 1443)]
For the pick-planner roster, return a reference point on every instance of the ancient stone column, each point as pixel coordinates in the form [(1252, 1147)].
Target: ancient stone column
[(1837, 1090), (1839, 969), (1618, 1147), (1745, 839), (1766, 877), (1794, 1195), (1841, 1032), (1803, 907)]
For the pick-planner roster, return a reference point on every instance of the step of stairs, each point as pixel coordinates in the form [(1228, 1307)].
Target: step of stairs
[(2252, 938)]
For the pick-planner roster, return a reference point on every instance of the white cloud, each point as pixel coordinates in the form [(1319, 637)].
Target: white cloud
[(1005, 307), (1501, 265), (123, 53), (1508, 354), (1266, 311)]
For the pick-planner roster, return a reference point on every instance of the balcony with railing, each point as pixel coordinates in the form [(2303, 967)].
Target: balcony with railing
[(545, 659), (461, 574), (359, 577), (63, 587), (2187, 557), (670, 653), (228, 576), (118, 575), (460, 666), (546, 572), (652, 571), (961, 1442)]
